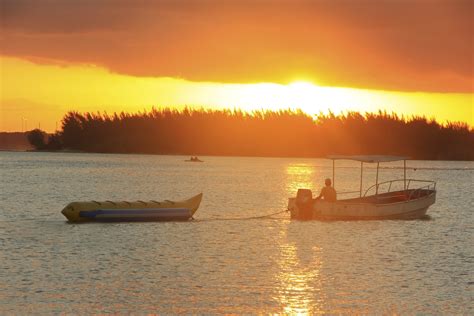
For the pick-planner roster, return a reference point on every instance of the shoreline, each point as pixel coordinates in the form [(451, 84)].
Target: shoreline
[(62, 151)]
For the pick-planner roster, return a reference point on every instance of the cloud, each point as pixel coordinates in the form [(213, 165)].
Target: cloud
[(423, 45)]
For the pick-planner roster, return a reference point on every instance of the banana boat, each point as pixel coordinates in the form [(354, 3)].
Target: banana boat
[(132, 211)]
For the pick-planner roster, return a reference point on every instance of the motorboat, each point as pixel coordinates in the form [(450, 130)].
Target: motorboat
[(394, 199), (194, 159), (132, 211)]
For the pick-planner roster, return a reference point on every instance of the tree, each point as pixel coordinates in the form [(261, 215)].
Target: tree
[(55, 142), (72, 130), (37, 138)]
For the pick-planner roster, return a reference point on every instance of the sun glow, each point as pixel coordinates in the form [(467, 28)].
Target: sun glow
[(305, 94), (42, 94)]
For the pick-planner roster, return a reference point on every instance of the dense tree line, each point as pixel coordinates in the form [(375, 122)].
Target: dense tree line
[(263, 133)]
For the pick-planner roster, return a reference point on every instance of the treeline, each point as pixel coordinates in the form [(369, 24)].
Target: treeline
[(262, 133)]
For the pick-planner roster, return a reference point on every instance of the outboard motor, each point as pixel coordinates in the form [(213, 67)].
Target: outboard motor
[(304, 202)]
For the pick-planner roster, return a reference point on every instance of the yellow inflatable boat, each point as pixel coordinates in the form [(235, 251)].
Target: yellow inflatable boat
[(132, 211)]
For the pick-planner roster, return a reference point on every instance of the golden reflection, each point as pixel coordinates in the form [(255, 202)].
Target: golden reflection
[(300, 286), (299, 176)]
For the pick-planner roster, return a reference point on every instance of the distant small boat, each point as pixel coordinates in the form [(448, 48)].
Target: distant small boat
[(408, 203), (132, 211), (194, 159)]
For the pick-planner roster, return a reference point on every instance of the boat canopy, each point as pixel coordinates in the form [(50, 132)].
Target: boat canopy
[(368, 158)]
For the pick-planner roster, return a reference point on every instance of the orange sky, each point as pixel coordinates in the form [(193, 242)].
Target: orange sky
[(409, 57)]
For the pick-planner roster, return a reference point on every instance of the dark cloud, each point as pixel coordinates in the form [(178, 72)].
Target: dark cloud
[(401, 45)]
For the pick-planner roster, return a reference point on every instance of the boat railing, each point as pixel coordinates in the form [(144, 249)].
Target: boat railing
[(418, 192), (431, 185)]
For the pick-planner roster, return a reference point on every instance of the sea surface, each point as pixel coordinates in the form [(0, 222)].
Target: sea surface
[(224, 262)]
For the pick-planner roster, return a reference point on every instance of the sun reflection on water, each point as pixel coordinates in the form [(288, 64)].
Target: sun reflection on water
[(300, 286), (299, 265), (299, 176)]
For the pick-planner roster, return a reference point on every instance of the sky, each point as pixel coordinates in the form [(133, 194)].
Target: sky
[(410, 57)]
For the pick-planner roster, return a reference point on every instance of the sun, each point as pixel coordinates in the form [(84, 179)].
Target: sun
[(304, 95), (299, 94), (301, 85)]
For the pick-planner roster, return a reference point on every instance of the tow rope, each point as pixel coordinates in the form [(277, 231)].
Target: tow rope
[(243, 218)]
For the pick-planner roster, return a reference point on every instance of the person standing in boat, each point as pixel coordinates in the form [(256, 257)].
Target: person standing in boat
[(328, 193)]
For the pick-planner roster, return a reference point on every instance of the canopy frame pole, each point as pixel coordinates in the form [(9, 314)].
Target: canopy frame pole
[(377, 180), (404, 174), (361, 173), (333, 173)]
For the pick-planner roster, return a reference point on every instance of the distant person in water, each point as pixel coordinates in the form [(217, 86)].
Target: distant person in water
[(327, 193)]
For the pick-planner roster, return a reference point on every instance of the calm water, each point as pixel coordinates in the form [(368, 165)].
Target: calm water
[(218, 266)]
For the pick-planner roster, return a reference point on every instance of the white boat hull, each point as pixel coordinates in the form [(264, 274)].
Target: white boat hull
[(370, 208)]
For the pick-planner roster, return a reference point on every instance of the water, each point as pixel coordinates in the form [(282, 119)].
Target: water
[(218, 266)]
